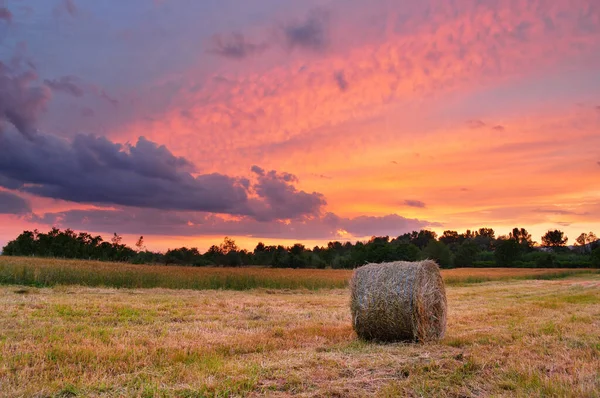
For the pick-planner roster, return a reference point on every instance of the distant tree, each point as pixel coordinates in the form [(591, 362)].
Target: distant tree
[(467, 235), (522, 237), (438, 252), (422, 238), (465, 255), (228, 245), (116, 239), (449, 238), (596, 257), (584, 241), (555, 239), (487, 232), (260, 248), (140, 244), (507, 252), (485, 239)]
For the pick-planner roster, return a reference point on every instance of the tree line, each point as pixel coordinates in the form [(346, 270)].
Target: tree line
[(480, 248)]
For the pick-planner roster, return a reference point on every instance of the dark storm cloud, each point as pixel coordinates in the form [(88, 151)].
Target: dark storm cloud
[(13, 204), (311, 34), (66, 84), (92, 169), (235, 46), (341, 81), (279, 199), (155, 222), (21, 101), (414, 203)]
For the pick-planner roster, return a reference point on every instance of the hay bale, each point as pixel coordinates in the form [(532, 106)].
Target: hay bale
[(399, 301)]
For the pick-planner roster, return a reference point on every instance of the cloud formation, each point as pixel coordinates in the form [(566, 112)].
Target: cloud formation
[(414, 203), (66, 6), (235, 46), (92, 169), (153, 222), (311, 34), (340, 79), (21, 101), (5, 14), (13, 204), (66, 84)]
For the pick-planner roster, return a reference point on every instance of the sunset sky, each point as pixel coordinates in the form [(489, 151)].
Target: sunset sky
[(298, 121)]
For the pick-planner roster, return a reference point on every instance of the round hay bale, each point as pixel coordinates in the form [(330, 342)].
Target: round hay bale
[(399, 301)]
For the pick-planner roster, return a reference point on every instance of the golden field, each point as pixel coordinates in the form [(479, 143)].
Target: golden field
[(505, 338), (43, 272)]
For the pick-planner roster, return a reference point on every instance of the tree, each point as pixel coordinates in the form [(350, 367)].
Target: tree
[(116, 239), (485, 239), (522, 237), (422, 238), (585, 241), (555, 239), (507, 252), (465, 255), (140, 244), (596, 257), (228, 245), (438, 252), (449, 237)]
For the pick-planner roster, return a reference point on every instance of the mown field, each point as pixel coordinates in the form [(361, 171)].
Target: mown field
[(506, 337), (42, 272)]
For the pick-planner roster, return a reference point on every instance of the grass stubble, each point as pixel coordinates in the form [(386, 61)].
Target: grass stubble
[(504, 338)]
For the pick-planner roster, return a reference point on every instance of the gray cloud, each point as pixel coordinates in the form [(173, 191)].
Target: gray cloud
[(279, 199), (414, 203), (475, 124), (66, 84), (92, 169), (66, 6), (13, 204), (235, 46), (154, 222), (21, 101), (5, 14), (561, 212), (311, 34), (341, 81), (498, 128)]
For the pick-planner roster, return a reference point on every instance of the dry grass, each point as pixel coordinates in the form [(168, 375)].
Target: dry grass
[(41, 272), (518, 338)]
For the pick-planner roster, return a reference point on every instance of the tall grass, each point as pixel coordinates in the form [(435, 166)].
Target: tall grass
[(42, 272), (51, 272)]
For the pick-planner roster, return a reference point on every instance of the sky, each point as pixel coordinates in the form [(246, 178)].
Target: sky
[(298, 121)]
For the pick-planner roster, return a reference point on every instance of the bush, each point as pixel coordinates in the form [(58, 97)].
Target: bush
[(438, 252), (465, 255), (547, 260), (507, 253), (596, 257)]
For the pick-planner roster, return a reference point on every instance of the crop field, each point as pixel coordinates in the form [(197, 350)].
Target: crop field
[(506, 337), (42, 272)]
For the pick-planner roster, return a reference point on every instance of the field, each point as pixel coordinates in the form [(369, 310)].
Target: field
[(506, 337), (41, 272)]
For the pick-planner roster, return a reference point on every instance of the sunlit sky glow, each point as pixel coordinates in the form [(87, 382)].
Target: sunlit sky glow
[(284, 121)]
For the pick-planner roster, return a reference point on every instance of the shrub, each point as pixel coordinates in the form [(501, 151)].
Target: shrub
[(596, 257)]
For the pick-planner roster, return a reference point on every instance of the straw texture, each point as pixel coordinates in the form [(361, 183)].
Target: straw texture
[(399, 301)]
